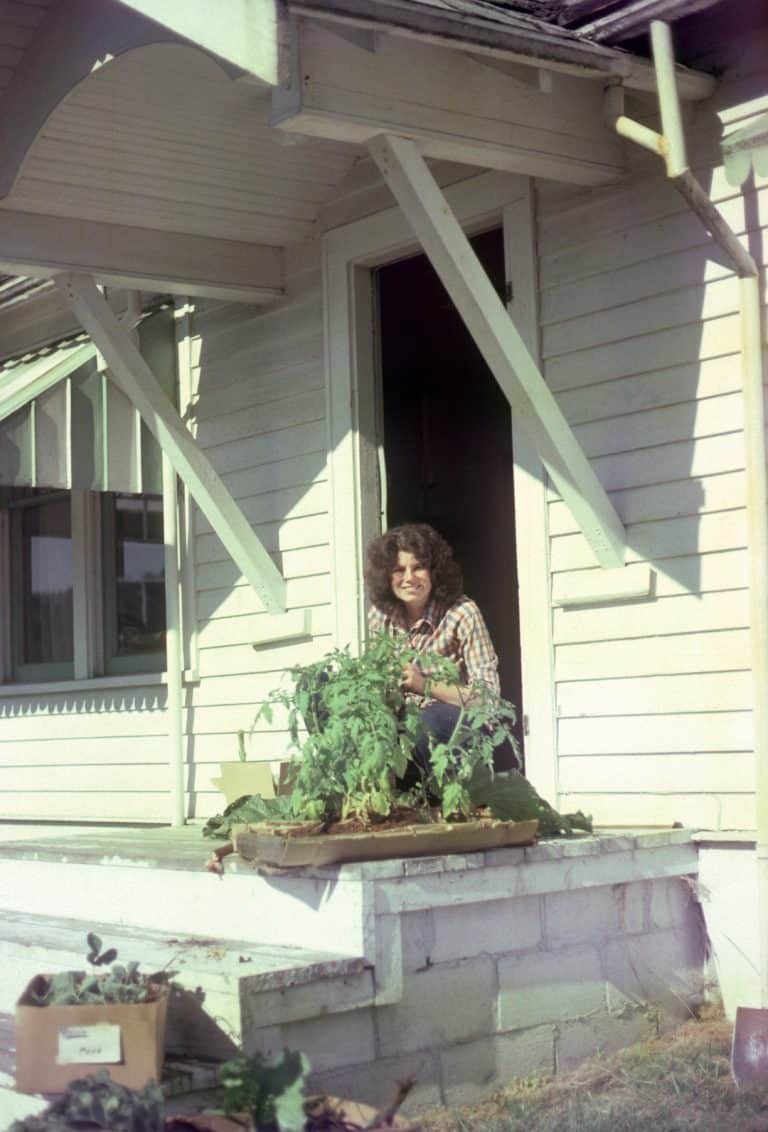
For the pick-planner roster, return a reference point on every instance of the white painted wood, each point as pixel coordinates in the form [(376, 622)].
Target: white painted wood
[(590, 587), (284, 627), (667, 538), (455, 108), (500, 344), (137, 381), (29, 380), (655, 695), (692, 613), (121, 256), (531, 515), (250, 34), (691, 496), (687, 652), (694, 732), (690, 573), (728, 773)]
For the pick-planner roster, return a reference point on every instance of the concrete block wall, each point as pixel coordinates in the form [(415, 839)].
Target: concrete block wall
[(510, 964)]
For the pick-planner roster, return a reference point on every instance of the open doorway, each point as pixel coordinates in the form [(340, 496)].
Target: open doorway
[(447, 439)]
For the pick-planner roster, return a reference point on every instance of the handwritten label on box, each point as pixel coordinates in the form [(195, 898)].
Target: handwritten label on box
[(89, 1045)]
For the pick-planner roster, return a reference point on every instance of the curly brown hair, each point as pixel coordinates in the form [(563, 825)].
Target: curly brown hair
[(429, 548)]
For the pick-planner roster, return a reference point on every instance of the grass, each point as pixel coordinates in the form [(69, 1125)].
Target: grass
[(680, 1082)]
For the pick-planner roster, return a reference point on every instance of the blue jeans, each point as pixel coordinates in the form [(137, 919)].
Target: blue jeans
[(439, 721)]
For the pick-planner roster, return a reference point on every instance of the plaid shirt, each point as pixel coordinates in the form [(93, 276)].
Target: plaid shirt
[(459, 634)]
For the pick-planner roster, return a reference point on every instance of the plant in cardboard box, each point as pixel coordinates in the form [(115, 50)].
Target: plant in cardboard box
[(352, 734), (70, 1022)]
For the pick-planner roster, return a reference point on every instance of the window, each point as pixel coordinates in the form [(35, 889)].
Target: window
[(134, 588), (85, 593)]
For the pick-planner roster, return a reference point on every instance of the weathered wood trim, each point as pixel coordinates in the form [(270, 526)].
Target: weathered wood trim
[(495, 335), (531, 519), (341, 91), (131, 373), (139, 259)]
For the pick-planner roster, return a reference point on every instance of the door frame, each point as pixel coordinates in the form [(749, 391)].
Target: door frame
[(350, 254)]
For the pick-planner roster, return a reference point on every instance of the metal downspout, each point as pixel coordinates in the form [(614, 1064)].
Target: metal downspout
[(670, 145), (173, 644)]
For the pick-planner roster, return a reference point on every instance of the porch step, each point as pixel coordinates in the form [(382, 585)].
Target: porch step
[(156, 881), (224, 990)]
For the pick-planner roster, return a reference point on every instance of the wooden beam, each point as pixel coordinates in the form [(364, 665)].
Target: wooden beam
[(495, 335), (140, 259), (20, 385), (131, 373), (455, 107), (249, 34)]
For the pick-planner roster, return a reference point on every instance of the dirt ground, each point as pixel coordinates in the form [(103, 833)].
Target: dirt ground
[(680, 1082)]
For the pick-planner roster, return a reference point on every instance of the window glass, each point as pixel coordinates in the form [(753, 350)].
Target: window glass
[(41, 553), (137, 598)]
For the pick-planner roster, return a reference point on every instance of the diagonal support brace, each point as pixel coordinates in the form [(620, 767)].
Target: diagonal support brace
[(131, 373), (498, 340)]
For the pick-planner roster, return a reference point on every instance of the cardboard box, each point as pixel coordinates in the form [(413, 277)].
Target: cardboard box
[(283, 845), (58, 1044)]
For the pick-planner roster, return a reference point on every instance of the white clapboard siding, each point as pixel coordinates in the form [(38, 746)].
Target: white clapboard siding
[(691, 613), (240, 601), (78, 724), (658, 695), (678, 384), (92, 750), (293, 471), (277, 506), (670, 463), (726, 773), (636, 243), (641, 341), (613, 809), (238, 660), (264, 449), (645, 352), (285, 412), (86, 806), (287, 380), (293, 534), (670, 308), (293, 564), (710, 417), (689, 574), (707, 651), (657, 734), (657, 501), (244, 630), (664, 538), (113, 777)]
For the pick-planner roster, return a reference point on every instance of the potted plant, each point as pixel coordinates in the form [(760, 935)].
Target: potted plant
[(69, 1023), (240, 778), (352, 732)]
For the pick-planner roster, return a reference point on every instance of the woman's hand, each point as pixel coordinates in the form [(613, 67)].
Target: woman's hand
[(413, 679)]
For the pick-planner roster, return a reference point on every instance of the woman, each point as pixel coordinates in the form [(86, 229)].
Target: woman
[(415, 587)]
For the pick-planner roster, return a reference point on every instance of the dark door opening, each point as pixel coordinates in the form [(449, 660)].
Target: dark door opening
[(447, 435)]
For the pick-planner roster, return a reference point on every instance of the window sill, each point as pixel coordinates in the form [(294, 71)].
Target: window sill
[(96, 684)]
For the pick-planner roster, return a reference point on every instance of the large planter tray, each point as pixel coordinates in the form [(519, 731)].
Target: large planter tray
[(58, 1044), (291, 846)]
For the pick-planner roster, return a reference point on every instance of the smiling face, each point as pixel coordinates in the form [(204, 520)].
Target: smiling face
[(411, 584)]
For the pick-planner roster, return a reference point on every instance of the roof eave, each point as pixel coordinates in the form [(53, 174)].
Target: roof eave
[(526, 43)]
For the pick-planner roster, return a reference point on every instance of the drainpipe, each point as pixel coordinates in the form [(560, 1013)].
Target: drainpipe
[(173, 644), (670, 145)]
